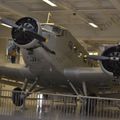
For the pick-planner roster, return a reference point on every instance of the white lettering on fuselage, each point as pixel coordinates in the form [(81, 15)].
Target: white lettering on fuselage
[(33, 59)]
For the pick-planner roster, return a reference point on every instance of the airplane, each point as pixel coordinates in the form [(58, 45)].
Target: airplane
[(55, 60)]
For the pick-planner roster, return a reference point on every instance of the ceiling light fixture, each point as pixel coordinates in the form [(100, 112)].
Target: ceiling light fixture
[(6, 25), (50, 3), (93, 25)]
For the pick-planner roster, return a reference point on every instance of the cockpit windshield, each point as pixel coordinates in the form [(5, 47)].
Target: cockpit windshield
[(57, 30)]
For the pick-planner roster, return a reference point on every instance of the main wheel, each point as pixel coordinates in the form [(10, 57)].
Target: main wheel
[(18, 96)]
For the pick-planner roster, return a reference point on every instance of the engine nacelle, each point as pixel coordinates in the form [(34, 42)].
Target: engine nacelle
[(22, 39), (111, 67)]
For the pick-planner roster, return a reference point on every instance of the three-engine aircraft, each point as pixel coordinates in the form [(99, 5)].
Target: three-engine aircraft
[(54, 60)]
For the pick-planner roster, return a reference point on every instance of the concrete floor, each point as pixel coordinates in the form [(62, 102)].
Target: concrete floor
[(45, 115)]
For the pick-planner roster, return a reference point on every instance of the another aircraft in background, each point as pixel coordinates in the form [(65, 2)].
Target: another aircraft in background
[(54, 61)]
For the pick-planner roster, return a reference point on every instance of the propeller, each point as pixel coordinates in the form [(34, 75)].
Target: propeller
[(23, 29), (110, 60), (8, 22), (28, 32)]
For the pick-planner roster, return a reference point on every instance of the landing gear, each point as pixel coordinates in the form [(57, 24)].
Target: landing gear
[(84, 88), (19, 95)]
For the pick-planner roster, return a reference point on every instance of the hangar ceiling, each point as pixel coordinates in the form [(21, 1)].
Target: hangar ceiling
[(72, 14)]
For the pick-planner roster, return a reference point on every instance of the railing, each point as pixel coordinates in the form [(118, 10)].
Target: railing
[(57, 106), (101, 108)]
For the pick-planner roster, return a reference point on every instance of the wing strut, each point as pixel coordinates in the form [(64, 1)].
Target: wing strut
[(32, 87), (84, 88), (25, 85), (72, 86), (19, 95)]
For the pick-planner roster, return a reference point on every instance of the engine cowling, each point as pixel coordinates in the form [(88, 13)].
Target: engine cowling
[(111, 67), (23, 39)]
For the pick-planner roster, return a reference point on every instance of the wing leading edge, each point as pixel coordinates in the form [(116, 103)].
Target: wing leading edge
[(15, 72), (87, 74)]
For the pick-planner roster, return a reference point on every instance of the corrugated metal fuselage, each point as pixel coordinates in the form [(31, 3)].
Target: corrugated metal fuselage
[(49, 67)]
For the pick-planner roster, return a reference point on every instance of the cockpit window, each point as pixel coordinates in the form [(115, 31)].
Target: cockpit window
[(58, 31)]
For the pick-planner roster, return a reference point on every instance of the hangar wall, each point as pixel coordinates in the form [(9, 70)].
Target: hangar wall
[(3, 59), (3, 45)]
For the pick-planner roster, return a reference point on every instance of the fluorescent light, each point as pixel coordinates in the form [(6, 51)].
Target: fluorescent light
[(50, 3), (93, 25), (6, 25)]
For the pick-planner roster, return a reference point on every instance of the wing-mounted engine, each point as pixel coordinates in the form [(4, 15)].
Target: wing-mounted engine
[(112, 65), (26, 39), (110, 61)]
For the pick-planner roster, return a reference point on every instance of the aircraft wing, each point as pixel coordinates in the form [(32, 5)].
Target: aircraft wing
[(94, 79), (14, 73), (87, 74), (18, 73)]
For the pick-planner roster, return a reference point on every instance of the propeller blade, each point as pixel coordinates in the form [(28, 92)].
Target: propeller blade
[(94, 57), (47, 49), (9, 23), (35, 35), (22, 29), (101, 58)]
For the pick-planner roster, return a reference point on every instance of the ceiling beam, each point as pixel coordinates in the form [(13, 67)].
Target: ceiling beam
[(116, 4), (15, 8), (80, 10), (95, 2), (101, 41), (3, 5), (98, 10), (99, 38), (67, 6)]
